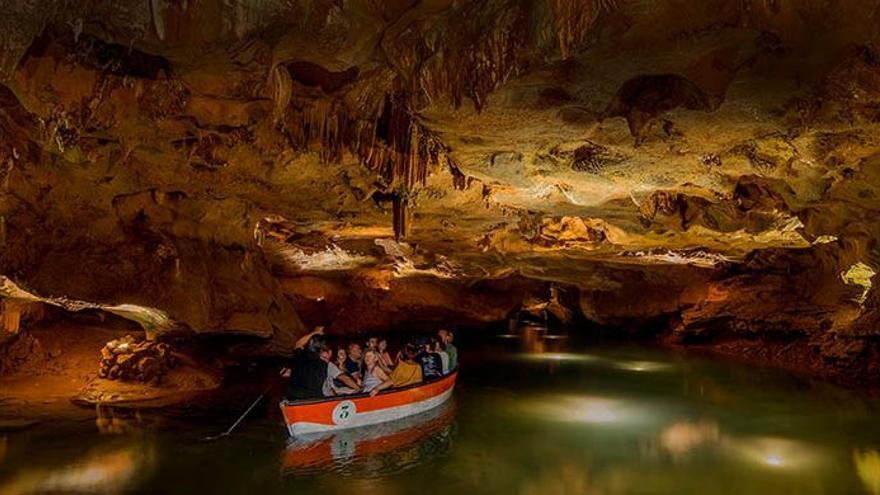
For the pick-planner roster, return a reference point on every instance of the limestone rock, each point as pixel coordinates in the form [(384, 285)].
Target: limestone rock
[(128, 359)]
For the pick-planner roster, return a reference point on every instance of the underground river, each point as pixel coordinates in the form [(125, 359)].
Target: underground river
[(554, 417)]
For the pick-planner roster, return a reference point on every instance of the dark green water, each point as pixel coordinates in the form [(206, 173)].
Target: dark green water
[(594, 421)]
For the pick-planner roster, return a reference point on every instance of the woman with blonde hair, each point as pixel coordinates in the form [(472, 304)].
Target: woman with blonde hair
[(374, 375)]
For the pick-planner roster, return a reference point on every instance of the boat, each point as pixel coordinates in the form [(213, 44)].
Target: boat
[(404, 442), (326, 414)]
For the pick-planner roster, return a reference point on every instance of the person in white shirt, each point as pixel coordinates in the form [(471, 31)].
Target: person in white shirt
[(337, 382), (440, 349)]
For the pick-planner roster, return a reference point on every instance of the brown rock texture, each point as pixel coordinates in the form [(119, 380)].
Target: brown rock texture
[(128, 359), (705, 172)]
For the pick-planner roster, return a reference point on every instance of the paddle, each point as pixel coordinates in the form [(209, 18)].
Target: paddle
[(240, 418)]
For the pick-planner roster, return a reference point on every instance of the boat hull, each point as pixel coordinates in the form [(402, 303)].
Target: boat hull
[(358, 448), (337, 413)]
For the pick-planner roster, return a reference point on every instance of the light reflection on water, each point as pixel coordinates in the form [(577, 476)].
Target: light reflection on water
[(868, 467), (588, 409), (548, 418), (776, 453), (97, 471), (558, 356), (683, 438)]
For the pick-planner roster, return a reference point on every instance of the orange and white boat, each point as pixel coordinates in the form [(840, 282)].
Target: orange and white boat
[(402, 442), (322, 415)]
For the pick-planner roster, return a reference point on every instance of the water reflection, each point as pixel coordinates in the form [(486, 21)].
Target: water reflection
[(611, 421), (121, 421), (590, 409), (535, 343), (534, 338), (568, 478), (868, 468), (377, 450), (558, 357), (775, 453), (642, 366), (682, 438), (100, 470)]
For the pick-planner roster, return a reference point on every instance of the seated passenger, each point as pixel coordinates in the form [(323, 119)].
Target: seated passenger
[(407, 371), (430, 361), (307, 371), (337, 382), (446, 336), (341, 356), (440, 349), (354, 362), (385, 356), (374, 375)]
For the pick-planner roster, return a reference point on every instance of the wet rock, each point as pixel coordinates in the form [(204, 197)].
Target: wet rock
[(130, 359)]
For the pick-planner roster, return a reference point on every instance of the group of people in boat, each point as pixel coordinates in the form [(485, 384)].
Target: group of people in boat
[(317, 371)]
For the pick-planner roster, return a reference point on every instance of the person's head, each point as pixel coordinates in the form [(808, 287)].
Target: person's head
[(315, 345), (382, 345), (372, 343), (326, 353), (410, 352), (437, 345), (444, 335), (354, 351), (370, 358), (341, 355)]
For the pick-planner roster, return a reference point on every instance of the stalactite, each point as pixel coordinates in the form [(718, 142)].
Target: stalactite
[(573, 19), (391, 143), (282, 91), (459, 180), (401, 225), (10, 316), (157, 14), (477, 49)]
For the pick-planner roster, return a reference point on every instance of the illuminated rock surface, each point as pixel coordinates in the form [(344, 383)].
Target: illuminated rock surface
[(707, 172)]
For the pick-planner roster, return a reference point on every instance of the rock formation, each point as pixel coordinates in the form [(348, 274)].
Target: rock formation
[(705, 172)]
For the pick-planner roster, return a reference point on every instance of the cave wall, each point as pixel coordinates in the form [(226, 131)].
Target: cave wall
[(708, 170)]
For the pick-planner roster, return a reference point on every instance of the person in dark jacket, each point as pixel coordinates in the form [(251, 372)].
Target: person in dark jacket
[(308, 371), (355, 362), (430, 361)]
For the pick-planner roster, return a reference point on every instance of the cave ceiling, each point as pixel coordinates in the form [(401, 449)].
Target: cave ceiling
[(152, 150)]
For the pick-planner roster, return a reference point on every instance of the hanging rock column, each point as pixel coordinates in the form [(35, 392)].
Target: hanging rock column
[(10, 316)]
